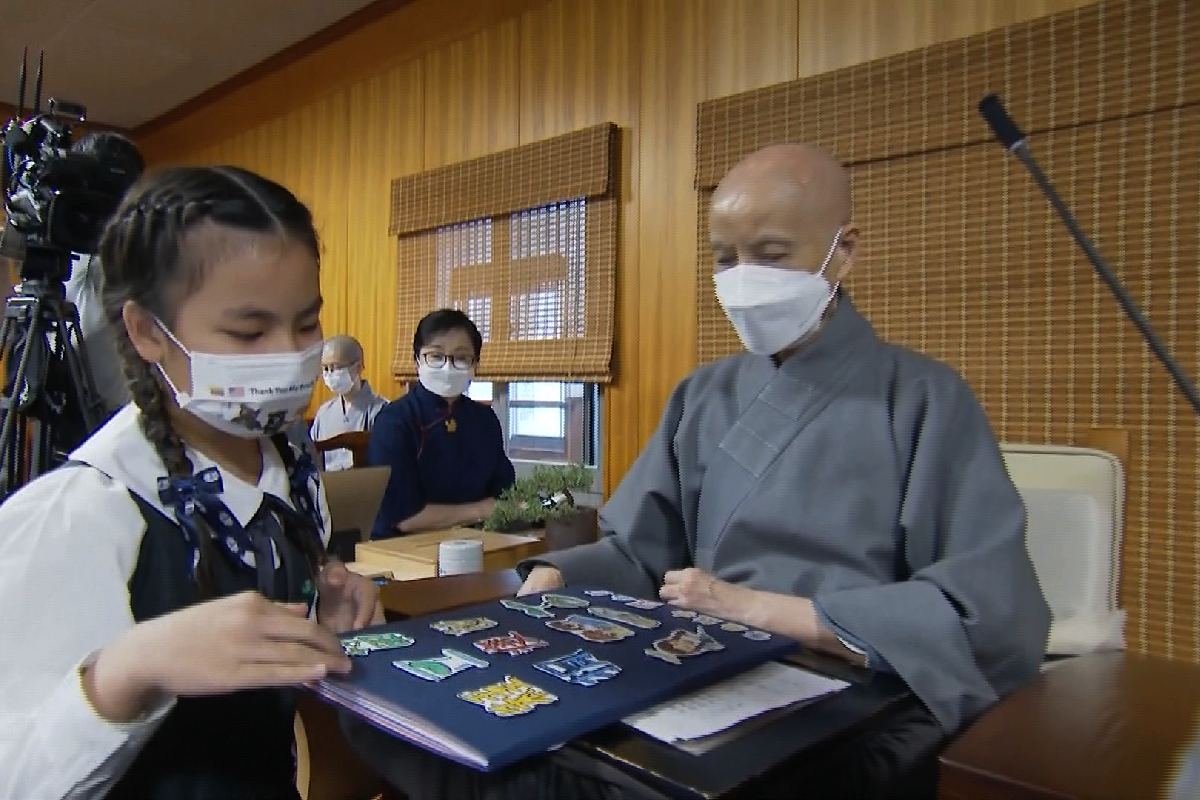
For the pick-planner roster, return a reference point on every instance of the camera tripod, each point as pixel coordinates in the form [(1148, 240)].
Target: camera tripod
[(50, 404)]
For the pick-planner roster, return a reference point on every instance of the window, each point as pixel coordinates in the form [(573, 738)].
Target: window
[(545, 421), (542, 421), (525, 243)]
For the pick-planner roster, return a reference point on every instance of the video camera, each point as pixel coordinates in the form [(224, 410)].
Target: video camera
[(57, 200)]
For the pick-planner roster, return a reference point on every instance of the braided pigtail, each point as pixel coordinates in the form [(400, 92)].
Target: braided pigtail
[(154, 253), (143, 228)]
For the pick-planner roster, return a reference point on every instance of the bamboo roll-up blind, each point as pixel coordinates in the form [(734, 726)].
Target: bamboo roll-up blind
[(963, 259), (525, 242)]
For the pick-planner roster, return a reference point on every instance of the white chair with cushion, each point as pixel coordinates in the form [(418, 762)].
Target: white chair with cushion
[(1075, 499)]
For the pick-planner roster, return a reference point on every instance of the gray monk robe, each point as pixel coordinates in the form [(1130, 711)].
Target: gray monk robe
[(857, 473), (860, 474)]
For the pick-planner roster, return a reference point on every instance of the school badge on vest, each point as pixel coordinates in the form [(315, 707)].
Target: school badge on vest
[(509, 698), (627, 617), (438, 668), (593, 630), (367, 643), (461, 627), (683, 644), (580, 668), (451, 425), (514, 644)]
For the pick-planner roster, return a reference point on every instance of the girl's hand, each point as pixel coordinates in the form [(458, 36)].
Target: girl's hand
[(243, 641)]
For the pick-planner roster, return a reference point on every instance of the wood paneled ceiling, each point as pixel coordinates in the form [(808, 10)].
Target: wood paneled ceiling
[(133, 61)]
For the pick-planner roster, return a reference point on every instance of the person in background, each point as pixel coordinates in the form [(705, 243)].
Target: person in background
[(83, 287), (86, 284), (446, 451), (165, 589), (355, 405), (827, 486)]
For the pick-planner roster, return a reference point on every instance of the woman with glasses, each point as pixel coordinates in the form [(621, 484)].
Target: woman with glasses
[(446, 451)]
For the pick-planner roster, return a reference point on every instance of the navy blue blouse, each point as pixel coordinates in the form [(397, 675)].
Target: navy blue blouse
[(440, 453)]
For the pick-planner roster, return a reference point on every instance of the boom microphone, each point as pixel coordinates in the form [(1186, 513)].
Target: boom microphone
[(1008, 134)]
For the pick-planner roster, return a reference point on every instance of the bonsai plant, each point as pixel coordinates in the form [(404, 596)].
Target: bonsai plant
[(546, 498)]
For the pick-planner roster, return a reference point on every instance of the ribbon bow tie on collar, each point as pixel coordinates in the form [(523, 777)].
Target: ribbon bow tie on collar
[(198, 496), (187, 495)]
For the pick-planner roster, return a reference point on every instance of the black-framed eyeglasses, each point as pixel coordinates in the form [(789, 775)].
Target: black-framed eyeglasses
[(438, 360)]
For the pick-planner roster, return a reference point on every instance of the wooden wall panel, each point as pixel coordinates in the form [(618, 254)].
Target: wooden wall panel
[(471, 98), (442, 80), (388, 117), (564, 89)]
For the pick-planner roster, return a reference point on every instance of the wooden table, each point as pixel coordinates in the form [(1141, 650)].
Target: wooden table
[(402, 599), (1097, 726), (727, 771)]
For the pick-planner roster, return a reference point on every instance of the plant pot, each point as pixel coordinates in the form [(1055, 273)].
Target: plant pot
[(579, 526)]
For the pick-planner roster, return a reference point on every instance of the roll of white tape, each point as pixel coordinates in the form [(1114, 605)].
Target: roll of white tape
[(460, 556)]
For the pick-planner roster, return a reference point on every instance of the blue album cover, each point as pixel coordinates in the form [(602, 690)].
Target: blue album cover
[(491, 684)]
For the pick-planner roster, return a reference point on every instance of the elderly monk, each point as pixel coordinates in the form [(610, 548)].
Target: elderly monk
[(826, 485)]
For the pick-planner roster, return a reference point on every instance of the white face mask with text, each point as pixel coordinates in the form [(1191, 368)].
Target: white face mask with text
[(250, 396), (772, 308), (444, 381)]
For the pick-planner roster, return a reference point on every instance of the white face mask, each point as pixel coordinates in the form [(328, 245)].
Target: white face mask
[(339, 381), (444, 381), (772, 308), (248, 395)]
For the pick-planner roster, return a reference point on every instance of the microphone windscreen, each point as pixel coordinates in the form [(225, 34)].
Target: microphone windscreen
[(1002, 125)]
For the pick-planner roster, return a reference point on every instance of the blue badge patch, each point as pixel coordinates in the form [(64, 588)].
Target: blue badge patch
[(580, 668)]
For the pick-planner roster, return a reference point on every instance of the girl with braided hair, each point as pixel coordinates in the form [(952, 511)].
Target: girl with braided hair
[(165, 590)]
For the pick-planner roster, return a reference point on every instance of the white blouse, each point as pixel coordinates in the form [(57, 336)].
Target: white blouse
[(69, 544)]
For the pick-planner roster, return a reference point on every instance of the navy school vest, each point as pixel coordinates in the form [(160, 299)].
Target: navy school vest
[(238, 746)]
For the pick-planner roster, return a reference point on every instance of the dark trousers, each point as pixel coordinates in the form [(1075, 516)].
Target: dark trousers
[(895, 759)]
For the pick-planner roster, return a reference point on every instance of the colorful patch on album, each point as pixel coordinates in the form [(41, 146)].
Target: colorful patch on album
[(595, 620), (510, 697), (367, 643)]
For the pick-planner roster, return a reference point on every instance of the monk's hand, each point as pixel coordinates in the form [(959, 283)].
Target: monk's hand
[(541, 579), (698, 591)]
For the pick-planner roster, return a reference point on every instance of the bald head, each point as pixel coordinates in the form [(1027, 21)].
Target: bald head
[(781, 206), (342, 349)]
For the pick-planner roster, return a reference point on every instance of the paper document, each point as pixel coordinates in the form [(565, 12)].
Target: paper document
[(722, 705)]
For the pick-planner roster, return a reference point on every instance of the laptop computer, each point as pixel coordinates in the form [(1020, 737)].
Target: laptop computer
[(354, 497)]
